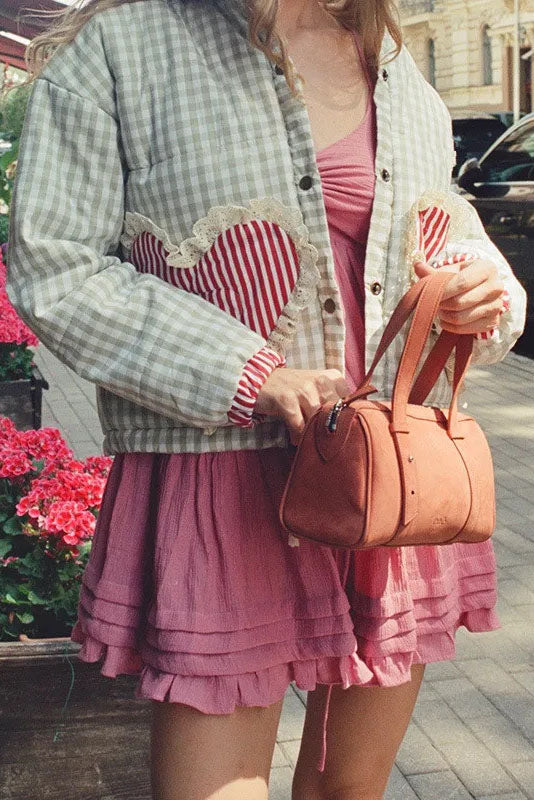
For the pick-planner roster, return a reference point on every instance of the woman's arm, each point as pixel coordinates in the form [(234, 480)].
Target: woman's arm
[(132, 333)]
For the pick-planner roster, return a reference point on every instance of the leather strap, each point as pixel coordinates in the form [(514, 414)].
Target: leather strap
[(405, 307), (464, 351), (435, 363), (425, 312)]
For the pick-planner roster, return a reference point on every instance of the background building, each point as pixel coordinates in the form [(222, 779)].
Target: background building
[(465, 49), (17, 28)]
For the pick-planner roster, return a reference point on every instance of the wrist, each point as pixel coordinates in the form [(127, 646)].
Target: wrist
[(255, 373)]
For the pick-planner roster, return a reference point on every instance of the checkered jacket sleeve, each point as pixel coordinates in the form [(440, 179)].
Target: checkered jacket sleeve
[(478, 244), (131, 333)]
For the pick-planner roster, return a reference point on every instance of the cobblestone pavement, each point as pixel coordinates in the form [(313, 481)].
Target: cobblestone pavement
[(472, 735)]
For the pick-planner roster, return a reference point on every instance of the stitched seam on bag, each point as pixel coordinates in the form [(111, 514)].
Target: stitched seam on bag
[(369, 472), (462, 529)]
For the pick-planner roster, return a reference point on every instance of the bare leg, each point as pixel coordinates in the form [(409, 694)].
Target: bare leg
[(197, 756), (366, 726)]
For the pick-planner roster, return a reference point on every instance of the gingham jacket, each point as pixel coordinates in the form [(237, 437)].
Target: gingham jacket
[(161, 118)]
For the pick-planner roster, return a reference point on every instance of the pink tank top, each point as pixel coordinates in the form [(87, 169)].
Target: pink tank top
[(347, 169)]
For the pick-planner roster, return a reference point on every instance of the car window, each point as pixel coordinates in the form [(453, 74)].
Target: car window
[(513, 159), (473, 136), (476, 133)]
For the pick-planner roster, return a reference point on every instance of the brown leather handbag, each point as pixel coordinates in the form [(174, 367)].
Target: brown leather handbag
[(369, 473)]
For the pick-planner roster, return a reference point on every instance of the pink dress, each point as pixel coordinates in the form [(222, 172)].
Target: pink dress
[(191, 581)]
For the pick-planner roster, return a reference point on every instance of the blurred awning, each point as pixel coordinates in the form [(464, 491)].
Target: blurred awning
[(19, 22)]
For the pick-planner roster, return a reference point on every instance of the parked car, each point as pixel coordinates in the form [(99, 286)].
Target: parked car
[(506, 117), (500, 185), (473, 133)]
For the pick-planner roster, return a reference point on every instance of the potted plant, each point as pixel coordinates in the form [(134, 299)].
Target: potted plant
[(55, 708), (48, 507), (21, 382)]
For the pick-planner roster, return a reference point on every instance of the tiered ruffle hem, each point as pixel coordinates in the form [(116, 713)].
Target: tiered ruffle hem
[(192, 584)]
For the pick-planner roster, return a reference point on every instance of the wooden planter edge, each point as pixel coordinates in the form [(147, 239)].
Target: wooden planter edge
[(29, 650)]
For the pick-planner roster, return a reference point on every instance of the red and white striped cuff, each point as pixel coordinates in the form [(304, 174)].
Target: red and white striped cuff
[(492, 333), (255, 373)]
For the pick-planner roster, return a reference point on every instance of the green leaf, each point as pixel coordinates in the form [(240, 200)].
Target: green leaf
[(10, 599), (13, 526), (38, 464), (25, 618), (5, 547), (35, 600), (9, 156)]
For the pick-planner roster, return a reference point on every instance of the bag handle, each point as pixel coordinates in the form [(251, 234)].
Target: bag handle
[(426, 309), (405, 307), (436, 361), (403, 310), (424, 297)]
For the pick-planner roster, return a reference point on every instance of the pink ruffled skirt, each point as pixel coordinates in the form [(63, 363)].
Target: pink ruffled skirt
[(192, 584)]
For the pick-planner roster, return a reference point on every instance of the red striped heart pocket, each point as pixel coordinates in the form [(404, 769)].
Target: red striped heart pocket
[(254, 263)]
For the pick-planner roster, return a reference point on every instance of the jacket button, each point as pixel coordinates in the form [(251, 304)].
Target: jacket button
[(306, 182), (329, 305), (278, 70), (385, 74), (386, 175), (376, 287)]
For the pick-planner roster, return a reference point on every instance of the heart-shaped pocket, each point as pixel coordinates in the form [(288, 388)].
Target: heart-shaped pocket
[(254, 263)]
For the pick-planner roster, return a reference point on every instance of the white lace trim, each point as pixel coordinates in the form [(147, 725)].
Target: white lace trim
[(187, 253), (459, 226)]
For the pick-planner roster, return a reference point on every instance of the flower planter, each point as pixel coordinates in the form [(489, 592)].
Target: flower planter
[(66, 731), (21, 400)]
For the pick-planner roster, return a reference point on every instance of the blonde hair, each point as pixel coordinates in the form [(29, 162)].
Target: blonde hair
[(369, 18)]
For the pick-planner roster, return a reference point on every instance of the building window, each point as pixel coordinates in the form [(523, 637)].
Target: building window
[(487, 57), (432, 62)]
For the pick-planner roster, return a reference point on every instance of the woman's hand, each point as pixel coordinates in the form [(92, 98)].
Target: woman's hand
[(296, 394), (472, 300)]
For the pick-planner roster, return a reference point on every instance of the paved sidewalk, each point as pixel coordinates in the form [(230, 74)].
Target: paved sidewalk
[(472, 735)]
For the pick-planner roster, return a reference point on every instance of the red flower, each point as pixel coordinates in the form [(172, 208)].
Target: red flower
[(60, 501), (13, 464)]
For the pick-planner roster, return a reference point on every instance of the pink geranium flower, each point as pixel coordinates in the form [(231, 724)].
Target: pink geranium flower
[(60, 500)]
